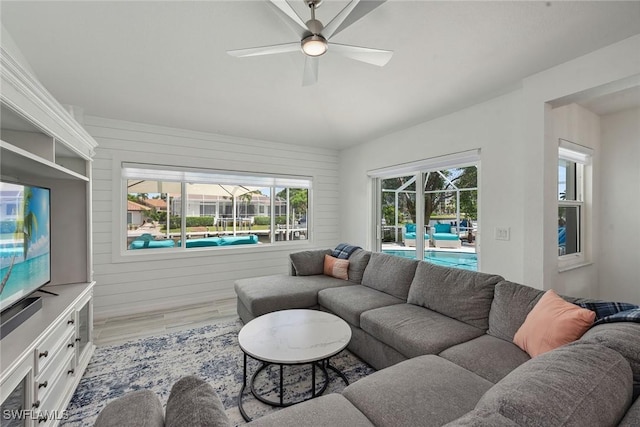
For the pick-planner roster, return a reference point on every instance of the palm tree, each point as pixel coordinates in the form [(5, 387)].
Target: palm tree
[(27, 225)]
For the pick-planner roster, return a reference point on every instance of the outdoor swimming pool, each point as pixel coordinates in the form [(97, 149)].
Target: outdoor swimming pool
[(465, 261)]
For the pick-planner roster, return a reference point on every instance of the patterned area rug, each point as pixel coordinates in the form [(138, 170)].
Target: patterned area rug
[(210, 352)]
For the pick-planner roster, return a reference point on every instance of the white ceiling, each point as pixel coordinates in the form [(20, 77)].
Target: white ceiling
[(165, 62)]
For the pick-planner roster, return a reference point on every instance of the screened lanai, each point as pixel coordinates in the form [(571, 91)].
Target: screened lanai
[(450, 197)]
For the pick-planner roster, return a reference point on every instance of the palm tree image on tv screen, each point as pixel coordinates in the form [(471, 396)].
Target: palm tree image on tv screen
[(24, 241)]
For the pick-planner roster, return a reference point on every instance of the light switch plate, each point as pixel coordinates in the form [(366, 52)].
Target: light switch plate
[(503, 233)]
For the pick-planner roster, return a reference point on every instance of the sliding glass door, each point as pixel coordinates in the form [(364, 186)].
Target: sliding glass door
[(430, 214)]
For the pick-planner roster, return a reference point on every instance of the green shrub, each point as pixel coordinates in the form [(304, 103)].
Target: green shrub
[(262, 220)]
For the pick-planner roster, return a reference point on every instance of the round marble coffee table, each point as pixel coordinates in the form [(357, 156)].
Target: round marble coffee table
[(292, 337)]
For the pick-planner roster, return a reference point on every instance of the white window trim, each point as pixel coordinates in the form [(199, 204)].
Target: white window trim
[(454, 160), (583, 156)]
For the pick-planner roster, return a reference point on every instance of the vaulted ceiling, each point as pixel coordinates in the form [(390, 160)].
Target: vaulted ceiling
[(166, 63)]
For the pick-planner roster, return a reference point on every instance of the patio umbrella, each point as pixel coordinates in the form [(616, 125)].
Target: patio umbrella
[(174, 188)]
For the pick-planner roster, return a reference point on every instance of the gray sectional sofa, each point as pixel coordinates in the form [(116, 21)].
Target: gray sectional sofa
[(441, 340)]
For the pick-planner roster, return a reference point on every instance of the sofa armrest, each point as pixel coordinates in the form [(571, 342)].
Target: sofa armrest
[(308, 263), (138, 408), (193, 402)]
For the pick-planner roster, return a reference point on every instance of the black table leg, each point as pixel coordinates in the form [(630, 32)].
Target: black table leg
[(313, 380), (281, 386)]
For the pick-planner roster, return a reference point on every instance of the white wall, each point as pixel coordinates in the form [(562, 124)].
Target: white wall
[(495, 128), (606, 70), (518, 176), (126, 285), (619, 228)]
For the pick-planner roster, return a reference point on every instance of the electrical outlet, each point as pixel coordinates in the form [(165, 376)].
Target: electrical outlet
[(502, 233)]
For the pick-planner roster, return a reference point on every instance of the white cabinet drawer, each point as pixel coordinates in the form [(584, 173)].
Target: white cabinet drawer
[(44, 352), (44, 380), (50, 412)]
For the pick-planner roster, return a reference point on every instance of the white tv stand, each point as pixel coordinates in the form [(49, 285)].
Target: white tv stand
[(43, 359)]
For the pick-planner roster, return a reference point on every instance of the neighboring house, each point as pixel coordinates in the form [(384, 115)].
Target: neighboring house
[(136, 213), (158, 204)]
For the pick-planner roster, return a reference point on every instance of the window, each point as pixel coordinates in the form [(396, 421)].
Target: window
[(439, 195), (573, 161), (171, 208)]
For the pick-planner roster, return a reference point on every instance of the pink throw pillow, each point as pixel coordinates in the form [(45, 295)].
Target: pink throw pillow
[(335, 267), (552, 323)]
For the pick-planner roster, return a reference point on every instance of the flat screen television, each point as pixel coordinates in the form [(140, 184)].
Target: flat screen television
[(25, 243)]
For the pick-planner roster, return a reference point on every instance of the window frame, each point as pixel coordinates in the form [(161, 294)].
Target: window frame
[(152, 172), (582, 158), (419, 169)]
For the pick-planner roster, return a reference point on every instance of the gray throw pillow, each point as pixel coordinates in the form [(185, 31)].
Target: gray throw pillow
[(309, 263), (193, 402)]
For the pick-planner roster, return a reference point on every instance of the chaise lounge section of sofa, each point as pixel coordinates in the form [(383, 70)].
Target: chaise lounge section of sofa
[(442, 340)]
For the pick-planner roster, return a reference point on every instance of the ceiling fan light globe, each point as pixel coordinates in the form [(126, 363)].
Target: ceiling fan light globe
[(314, 45)]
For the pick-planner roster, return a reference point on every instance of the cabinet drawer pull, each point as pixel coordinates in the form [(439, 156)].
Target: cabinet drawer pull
[(70, 345), (36, 404), (71, 322), (44, 384), (78, 339), (71, 371), (44, 353)]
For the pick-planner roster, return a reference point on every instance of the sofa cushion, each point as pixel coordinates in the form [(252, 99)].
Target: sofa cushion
[(460, 294), (551, 323), (261, 295), (511, 304), (632, 417), (137, 408), (308, 263), (349, 302), (487, 356), (357, 263), (335, 267), (415, 331), (423, 391), (579, 384), (390, 274), (330, 410), (193, 402), (623, 338), (482, 418)]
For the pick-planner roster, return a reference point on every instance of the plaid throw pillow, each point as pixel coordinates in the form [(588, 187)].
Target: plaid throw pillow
[(610, 312)]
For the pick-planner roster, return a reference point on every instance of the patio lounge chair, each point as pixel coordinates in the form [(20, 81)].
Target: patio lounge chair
[(409, 235), (147, 241), (442, 237)]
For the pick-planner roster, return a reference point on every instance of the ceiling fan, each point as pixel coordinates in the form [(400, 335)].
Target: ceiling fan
[(314, 37)]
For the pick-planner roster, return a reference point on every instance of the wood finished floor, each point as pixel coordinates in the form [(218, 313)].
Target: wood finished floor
[(126, 328)]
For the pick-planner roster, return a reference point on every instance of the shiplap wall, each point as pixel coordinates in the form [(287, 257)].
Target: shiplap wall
[(130, 285)]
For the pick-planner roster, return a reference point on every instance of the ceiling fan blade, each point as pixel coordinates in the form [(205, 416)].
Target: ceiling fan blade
[(265, 50), (355, 10), (377, 57), (290, 17), (310, 76)]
